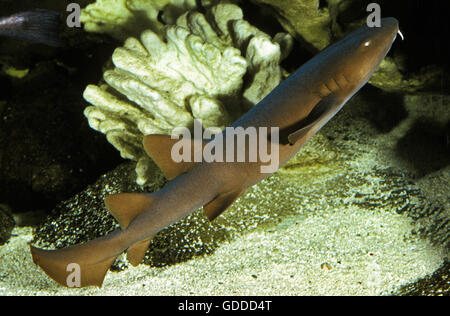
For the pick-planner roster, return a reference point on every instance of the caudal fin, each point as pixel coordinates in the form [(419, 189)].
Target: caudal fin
[(125, 207), (80, 266)]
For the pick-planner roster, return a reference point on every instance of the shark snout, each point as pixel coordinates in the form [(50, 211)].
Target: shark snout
[(391, 26), (390, 23)]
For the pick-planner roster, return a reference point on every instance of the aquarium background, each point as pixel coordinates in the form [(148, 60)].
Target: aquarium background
[(362, 210)]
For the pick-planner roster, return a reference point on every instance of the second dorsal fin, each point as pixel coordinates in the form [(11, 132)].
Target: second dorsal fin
[(159, 148)]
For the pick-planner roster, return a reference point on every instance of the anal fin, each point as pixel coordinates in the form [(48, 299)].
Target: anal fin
[(220, 203), (298, 135), (136, 253)]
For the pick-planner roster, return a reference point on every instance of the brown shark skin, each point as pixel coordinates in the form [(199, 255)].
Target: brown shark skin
[(299, 106)]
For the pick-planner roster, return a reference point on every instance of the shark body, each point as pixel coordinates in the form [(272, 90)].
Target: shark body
[(299, 107)]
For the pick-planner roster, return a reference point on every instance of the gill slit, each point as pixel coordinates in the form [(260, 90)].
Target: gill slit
[(337, 83), (346, 79)]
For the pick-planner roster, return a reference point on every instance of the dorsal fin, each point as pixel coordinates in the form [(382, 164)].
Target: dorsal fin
[(127, 206), (159, 148), (221, 203)]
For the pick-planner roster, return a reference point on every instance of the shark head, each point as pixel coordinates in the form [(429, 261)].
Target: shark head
[(366, 50), (349, 63), (334, 75)]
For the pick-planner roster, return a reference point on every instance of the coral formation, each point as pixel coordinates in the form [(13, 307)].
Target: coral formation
[(124, 18), (194, 70)]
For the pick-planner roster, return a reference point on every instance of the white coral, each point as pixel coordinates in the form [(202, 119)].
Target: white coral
[(124, 18), (195, 69)]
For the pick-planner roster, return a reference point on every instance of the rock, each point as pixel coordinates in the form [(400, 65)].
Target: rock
[(6, 224), (31, 218), (303, 19), (437, 284), (47, 150), (389, 78)]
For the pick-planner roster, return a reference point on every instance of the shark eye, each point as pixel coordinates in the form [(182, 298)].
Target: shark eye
[(368, 43)]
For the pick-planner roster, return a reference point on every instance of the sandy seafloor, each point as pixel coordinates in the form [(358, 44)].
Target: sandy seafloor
[(338, 247), (263, 263)]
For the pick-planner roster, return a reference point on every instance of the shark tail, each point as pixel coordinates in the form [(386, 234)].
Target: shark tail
[(87, 264), (81, 265), (125, 207)]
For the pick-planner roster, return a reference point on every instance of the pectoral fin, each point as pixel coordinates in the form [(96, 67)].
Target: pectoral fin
[(318, 117), (159, 148), (298, 135), (221, 203)]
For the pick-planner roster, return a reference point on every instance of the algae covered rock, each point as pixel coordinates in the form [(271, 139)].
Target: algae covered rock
[(389, 78), (304, 19), (194, 70)]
